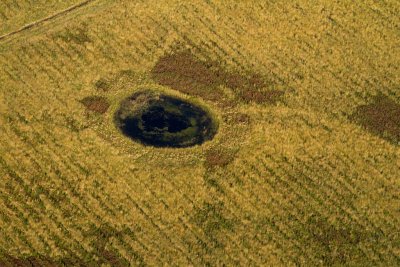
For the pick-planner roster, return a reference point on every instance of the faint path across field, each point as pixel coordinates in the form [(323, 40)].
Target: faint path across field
[(49, 18)]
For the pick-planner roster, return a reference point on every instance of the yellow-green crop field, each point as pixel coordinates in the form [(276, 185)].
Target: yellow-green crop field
[(304, 169)]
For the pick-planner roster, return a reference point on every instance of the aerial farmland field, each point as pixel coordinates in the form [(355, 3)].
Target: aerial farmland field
[(199, 133)]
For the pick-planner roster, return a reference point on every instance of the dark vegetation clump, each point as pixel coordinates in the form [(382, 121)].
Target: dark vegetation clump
[(102, 85), (381, 117), (183, 72), (78, 36), (97, 104), (156, 119)]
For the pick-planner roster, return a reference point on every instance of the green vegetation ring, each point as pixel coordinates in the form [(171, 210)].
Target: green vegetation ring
[(160, 120)]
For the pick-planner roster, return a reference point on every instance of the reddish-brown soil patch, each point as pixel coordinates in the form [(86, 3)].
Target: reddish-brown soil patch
[(381, 117), (184, 72), (260, 97), (98, 104), (218, 157)]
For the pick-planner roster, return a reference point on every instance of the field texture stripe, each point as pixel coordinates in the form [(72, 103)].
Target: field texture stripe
[(49, 18)]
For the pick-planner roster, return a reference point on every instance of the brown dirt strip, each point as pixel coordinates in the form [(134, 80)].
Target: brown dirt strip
[(96, 104), (184, 72), (380, 117), (49, 18)]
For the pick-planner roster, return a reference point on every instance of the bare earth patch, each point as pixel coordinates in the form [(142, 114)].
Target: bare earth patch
[(381, 117), (184, 72), (98, 104), (218, 157)]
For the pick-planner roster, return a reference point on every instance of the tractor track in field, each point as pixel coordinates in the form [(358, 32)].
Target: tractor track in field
[(46, 19)]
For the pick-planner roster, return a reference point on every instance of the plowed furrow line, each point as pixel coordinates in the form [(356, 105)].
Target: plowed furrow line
[(326, 198), (348, 164), (345, 162), (193, 230), (23, 68), (147, 214), (79, 60), (21, 217), (230, 33), (99, 218), (235, 197), (231, 30), (56, 49), (214, 42), (277, 235), (56, 221), (175, 248), (69, 59), (199, 34), (163, 202), (318, 204), (42, 73), (176, 187), (48, 52), (384, 13), (53, 72), (275, 197), (81, 57), (351, 213), (282, 235), (47, 19), (116, 48), (144, 40), (14, 71), (32, 147), (139, 246), (194, 206)]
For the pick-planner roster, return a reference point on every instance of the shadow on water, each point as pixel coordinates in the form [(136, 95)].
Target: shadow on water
[(164, 121)]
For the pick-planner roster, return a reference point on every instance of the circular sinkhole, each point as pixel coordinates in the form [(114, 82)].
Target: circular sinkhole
[(160, 120)]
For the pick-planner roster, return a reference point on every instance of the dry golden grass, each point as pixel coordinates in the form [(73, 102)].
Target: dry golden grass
[(17, 14), (304, 169)]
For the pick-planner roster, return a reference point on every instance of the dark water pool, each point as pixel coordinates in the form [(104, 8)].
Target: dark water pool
[(164, 121)]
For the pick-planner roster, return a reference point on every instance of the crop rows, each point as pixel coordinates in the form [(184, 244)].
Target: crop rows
[(302, 183)]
